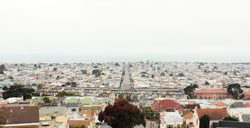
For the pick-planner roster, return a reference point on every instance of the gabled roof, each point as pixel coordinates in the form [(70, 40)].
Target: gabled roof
[(214, 114), (166, 104)]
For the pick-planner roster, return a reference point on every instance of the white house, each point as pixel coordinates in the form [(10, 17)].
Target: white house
[(171, 119)]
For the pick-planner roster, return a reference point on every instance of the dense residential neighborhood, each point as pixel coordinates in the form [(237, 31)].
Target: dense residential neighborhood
[(146, 94)]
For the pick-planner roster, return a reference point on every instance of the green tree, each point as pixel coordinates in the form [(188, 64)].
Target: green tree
[(117, 64), (73, 84), (204, 121), (5, 88), (40, 86), (235, 90), (120, 96), (189, 90), (46, 100), (63, 94), (2, 68), (18, 91), (150, 114)]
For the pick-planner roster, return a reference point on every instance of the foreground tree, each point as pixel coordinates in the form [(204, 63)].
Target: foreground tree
[(122, 114), (204, 121), (235, 90), (189, 90)]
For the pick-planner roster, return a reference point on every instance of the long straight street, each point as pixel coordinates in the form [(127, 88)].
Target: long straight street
[(126, 83)]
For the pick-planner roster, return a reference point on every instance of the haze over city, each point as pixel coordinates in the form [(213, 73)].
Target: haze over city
[(127, 30)]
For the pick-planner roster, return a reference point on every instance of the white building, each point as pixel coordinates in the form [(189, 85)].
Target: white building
[(171, 119)]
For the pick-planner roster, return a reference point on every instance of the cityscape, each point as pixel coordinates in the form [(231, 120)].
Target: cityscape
[(124, 64), (168, 94)]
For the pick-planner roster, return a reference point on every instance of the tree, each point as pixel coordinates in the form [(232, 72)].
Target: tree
[(162, 74), (40, 86), (150, 114), (180, 75), (122, 114), (189, 90), (120, 96), (129, 97), (5, 88), (117, 64), (207, 83), (96, 72), (204, 121), (46, 100), (152, 76), (11, 77), (18, 91), (2, 68), (235, 90), (63, 94), (26, 96), (73, 84)]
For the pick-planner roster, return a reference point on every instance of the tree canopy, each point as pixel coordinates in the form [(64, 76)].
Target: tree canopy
[(63, 94), (18, 91), (2, 68), (150, 114), (46, 100), (122, 114), (189, 90), (235, 90)]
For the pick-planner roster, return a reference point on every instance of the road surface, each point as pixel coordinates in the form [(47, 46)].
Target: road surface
[(126, 83)]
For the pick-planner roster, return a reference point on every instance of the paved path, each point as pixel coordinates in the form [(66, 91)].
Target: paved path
[(126, 79)]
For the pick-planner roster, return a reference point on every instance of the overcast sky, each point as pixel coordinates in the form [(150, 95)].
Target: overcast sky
[(134, 28)]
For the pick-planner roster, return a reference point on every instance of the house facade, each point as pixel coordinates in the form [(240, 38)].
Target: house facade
[(213, 94)]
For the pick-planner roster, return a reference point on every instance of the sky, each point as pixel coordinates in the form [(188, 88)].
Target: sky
[(129, 30)]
